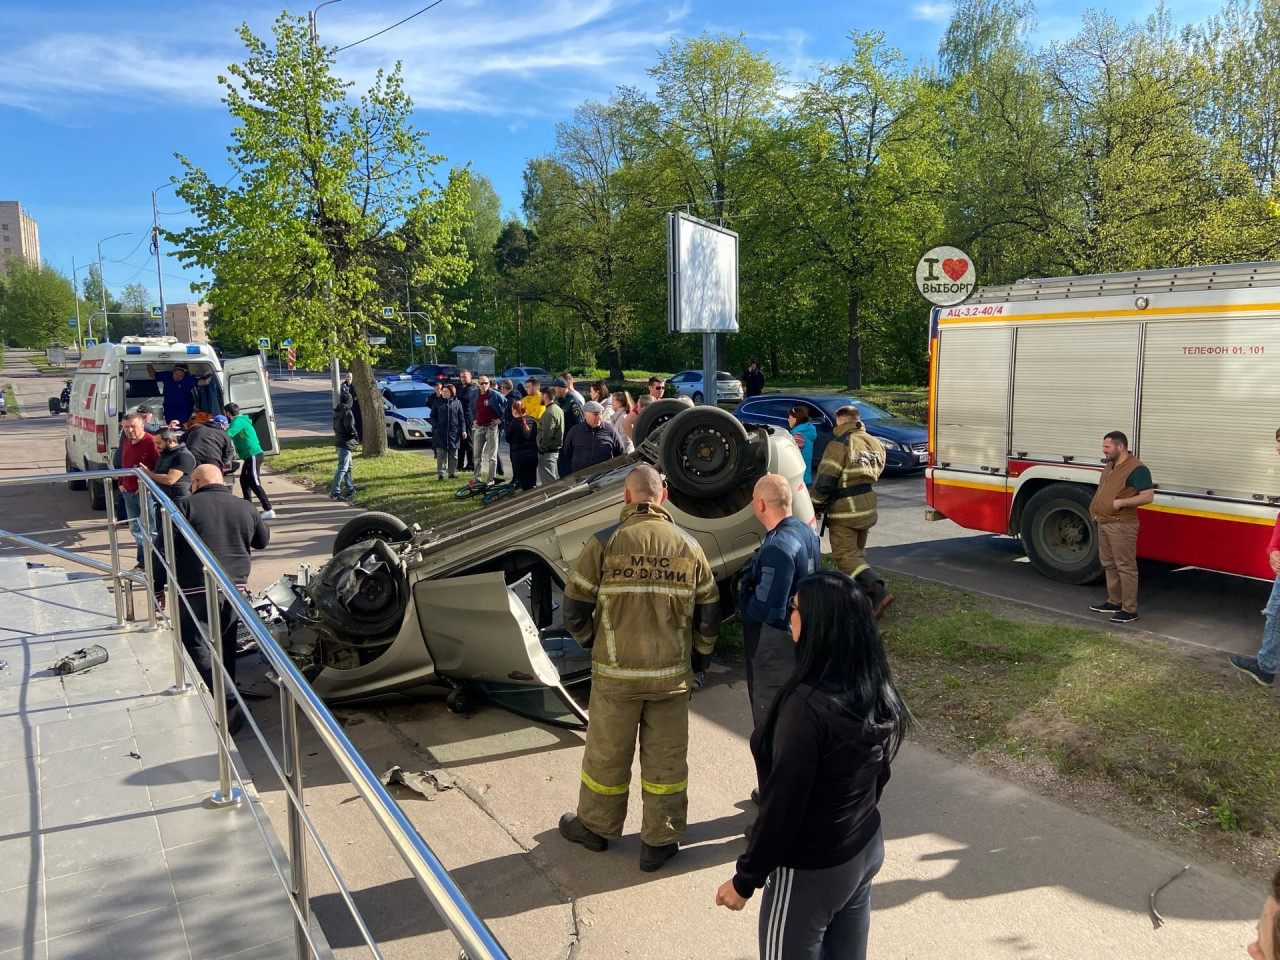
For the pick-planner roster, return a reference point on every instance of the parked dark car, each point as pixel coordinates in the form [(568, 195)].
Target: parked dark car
[(432, 373), (906, 442)]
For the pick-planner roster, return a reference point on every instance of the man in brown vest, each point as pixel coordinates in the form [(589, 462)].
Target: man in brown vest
[(1125, 485)]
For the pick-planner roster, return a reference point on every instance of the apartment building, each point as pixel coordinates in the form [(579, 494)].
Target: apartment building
[(19, 235), (189, 322)]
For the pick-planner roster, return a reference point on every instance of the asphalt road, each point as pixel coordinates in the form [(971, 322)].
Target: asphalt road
[(1182, 604)]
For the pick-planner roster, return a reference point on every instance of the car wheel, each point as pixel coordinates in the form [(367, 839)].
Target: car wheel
[(370, 526), (1058, 534), (98, 494), (654, 416), (697, 396), (74, 484), (704, 451), (368, 607), (398, 438)]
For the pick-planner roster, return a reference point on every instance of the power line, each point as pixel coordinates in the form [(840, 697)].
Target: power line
[(392, 27)]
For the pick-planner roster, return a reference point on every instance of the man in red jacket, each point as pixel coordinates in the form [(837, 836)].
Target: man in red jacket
[(139, 449)]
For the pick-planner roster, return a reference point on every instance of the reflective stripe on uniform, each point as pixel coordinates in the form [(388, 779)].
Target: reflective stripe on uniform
[(587, 586), (601, 789), (638, 673), (664, 789), (684, 593)]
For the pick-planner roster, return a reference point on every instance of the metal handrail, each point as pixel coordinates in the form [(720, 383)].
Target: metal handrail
[(471, 931)]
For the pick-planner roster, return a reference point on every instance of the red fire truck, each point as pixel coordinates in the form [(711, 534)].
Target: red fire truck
[(1026, 379)]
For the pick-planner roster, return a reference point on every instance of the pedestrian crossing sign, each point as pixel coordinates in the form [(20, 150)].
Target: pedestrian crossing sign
[(156, 312), (388, 313), (90, 341)]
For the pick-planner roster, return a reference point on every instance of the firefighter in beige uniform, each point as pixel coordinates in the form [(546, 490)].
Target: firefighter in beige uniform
[(643, 598), (843, 492)]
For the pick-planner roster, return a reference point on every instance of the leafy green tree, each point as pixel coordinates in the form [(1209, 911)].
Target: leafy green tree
[(859, 168), (37, 301), (328, 192)]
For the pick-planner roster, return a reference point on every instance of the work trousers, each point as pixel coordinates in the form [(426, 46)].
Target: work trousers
[(446, 458), (662, 722), (548, 467), (820, 914), (771, 660), (848, 547), (200, 651), (251, 481), (485, 439), (1118, 554)]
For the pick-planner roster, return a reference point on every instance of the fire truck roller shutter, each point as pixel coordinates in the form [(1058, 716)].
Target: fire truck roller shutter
[(973, 397)]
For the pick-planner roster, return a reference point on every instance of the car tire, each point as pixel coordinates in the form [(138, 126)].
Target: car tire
[(458, 700), (654, 416), (398, 437), (97, 494), (372, 525), (698, 397), (376, 608), (1058, 534), (74, 484), (704, 452)]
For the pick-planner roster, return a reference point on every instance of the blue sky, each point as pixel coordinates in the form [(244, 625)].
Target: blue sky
[(96, 97)]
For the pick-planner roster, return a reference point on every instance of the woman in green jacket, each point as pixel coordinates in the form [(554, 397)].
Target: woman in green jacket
[(248, 449)]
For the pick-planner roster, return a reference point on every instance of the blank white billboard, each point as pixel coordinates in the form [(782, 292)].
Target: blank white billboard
[(702, 276)]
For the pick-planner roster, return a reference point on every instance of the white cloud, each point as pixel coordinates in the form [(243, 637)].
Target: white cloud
[(931, 12), (465, 55)]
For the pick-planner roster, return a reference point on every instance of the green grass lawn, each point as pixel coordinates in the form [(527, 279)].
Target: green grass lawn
[(1091, 702), (399, 483)]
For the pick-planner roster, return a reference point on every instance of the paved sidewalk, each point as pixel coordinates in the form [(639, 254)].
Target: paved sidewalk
[(109, 847)]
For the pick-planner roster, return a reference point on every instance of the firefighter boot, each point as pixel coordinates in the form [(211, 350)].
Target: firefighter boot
[(880, 596)]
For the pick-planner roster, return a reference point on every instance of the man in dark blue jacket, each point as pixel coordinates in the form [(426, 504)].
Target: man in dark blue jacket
[(790, 550), (590, 442)]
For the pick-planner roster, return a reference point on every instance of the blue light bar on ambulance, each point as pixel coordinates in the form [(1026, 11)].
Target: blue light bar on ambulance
[(192, 348), (133, 350)]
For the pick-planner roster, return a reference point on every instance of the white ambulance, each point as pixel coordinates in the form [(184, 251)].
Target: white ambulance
[(113, 378), (1027, 378)]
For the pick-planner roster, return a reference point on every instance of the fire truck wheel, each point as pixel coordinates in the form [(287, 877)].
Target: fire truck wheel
[(1058, 534)]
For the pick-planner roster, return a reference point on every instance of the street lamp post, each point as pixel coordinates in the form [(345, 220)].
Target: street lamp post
[(155, 248), (102, 286), (75, 289)]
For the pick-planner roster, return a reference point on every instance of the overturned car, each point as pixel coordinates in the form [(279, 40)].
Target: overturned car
[(468, 606)]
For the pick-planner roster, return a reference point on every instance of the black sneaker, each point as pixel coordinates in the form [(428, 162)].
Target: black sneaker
[(755, 797), (651, 858), (1106, 606), (573, 830), (1249, 665), (1121, 616)]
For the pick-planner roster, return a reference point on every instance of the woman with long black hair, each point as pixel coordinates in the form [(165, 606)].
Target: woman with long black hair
[(822, 758)]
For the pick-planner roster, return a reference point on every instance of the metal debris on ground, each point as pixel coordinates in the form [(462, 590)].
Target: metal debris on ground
[(82, 659), (425, 782), (1155, 914)]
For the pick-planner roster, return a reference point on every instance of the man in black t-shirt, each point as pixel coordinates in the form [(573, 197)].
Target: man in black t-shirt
[(172, 473)]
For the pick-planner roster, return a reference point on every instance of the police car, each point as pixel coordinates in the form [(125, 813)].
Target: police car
[(406, 405)]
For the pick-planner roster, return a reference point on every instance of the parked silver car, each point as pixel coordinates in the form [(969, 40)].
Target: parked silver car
[(468, 605), (688, 383)]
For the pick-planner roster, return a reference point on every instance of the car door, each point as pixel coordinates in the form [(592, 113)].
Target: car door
[(245, 384), (475, 628)]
